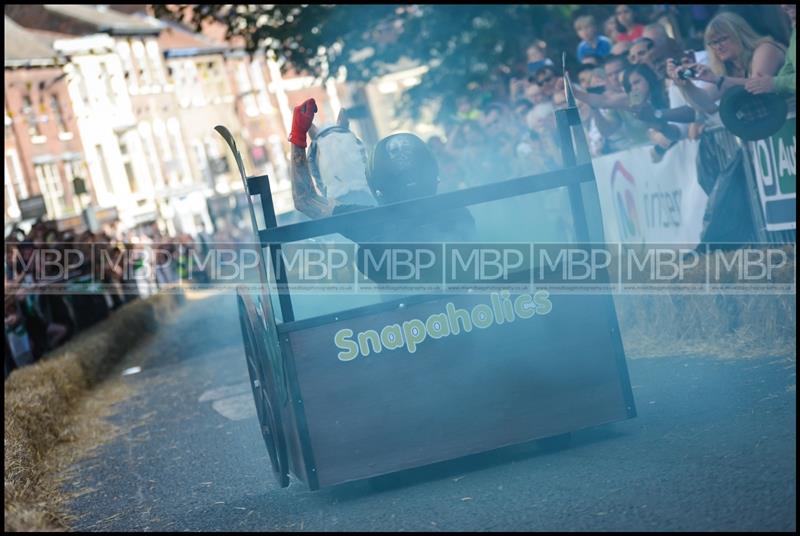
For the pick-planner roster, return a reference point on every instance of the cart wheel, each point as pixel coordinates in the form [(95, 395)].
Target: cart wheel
[(555, 443), (262, 382)]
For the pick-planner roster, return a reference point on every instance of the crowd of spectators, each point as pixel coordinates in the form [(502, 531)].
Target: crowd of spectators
[(58, 283), (647, 75), (639, 80)]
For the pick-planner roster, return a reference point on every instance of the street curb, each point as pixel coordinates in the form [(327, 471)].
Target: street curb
[(38, 398)]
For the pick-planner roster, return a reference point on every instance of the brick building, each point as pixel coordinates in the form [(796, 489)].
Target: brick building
[(43, 150), (128, 114), (205, 98)]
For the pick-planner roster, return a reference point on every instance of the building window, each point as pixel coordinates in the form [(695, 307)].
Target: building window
[(14, 168), (76, 169), (129, 72), (176, 141), (197, 76), (78, 86), (105, 174), (201, 161), (55, 106), (108, 79), (51, 187), (183, 85), (155, 62), (125, 153), (10, 202), (30, 116), (141, 60), (170, 160), (221, 80), (210, 81), (146, 134), (246, 90), (261, 87)]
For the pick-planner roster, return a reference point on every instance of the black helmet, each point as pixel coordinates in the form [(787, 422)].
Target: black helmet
[(402, 167)]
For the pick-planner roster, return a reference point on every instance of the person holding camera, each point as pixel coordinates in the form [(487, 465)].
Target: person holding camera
[(648, 103), (608, 104), (735, 53)]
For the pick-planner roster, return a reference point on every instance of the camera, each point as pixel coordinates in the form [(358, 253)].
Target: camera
[(687, 74)]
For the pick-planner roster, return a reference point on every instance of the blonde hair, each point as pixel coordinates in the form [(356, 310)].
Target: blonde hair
[(584, 21), (740, 32)]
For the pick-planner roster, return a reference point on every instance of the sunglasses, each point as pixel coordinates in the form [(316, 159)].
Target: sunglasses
[(544, 81)]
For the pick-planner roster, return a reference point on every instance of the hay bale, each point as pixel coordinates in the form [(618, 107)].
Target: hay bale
[(720, 324), (39, 400)]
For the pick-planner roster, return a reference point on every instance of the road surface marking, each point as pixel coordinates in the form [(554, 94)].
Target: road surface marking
[(236, 408), (224, 392)]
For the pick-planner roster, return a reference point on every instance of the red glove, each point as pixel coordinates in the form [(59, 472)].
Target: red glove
[(301, 122)]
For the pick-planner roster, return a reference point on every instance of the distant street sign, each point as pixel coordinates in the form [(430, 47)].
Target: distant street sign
[(32, 208), (79, 186)]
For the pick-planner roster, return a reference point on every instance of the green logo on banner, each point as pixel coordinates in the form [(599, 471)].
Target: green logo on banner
[(776, 160)]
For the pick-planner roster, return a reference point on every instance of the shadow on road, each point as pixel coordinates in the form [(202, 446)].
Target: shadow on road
[(468, 464)]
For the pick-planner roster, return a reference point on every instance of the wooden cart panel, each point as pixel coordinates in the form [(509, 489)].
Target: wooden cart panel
[(459, 394)]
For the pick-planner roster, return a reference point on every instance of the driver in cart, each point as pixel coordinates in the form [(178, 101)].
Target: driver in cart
[(401, 167)]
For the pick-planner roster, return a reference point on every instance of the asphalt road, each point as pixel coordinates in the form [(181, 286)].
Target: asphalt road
[(713, 448)]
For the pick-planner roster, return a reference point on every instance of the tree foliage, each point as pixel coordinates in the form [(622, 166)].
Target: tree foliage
[(468, 47)]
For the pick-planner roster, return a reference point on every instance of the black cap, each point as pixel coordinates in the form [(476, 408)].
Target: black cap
[(752, 117)]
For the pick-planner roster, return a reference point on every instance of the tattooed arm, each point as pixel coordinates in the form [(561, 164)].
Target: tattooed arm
[(307, 198)]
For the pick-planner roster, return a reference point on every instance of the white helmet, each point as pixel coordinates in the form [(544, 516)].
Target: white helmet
[(338, 163)]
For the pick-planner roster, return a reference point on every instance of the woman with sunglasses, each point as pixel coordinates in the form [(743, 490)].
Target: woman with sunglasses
[(627, 27), (735, 53)]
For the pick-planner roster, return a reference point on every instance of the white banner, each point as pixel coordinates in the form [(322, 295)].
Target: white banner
[(775, 162), (647, 203)]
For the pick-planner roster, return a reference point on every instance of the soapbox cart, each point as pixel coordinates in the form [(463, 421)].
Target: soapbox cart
[(326, 420)]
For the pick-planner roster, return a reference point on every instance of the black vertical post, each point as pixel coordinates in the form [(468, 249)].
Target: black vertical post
[(569, 122), (565, 119), (261, 186)]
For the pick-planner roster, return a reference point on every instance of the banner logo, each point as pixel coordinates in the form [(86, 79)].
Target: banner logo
[(775, 163), (624, 192)]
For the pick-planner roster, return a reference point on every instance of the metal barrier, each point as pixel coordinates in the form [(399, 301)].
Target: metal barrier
[(725, 146), (772, 237)]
